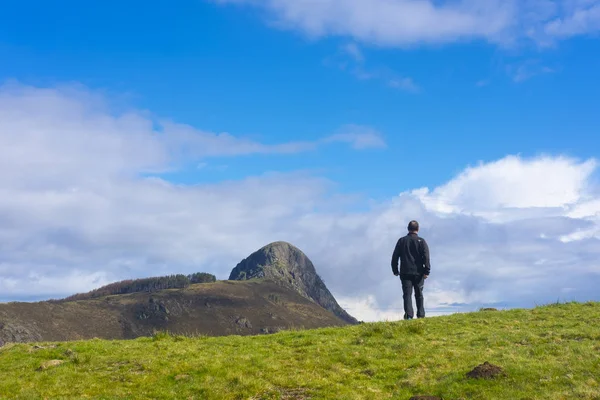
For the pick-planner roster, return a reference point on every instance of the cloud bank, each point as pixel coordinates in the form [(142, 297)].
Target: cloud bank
[(80, 207), (407, 22)]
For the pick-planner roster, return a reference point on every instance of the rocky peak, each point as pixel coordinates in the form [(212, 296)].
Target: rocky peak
[(289, 266)]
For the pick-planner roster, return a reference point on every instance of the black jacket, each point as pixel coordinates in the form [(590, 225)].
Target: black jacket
[(413, 253)]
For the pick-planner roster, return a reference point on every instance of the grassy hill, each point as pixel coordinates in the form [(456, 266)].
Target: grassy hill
[(216, 309), (550, 352), (275, 288)]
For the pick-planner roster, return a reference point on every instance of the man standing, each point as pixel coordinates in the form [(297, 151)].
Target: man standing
[(413, 253)]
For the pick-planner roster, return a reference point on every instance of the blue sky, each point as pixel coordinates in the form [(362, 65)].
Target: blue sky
[(222, 68), (434, 88)]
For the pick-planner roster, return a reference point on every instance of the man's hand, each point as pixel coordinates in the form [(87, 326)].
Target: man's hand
[(426, 276), (396, 274)]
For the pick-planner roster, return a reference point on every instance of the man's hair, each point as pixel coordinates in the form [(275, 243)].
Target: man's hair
[(413, 226)]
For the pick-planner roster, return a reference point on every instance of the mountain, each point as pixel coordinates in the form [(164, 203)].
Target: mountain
[(130, 309), (288, 266), (214, 309)]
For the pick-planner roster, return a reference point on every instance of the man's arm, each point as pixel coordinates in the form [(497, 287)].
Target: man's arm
[(426, 260), (395, 258)]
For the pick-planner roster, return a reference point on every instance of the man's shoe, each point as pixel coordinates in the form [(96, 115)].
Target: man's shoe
[(406, 317)]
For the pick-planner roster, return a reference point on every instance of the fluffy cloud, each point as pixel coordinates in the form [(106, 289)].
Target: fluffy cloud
[(513, 232), (77, 210), (406, 22), (72, 201), (511, 184), (71, 118)]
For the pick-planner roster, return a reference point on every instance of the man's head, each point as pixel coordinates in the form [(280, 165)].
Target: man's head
[(413, 226)]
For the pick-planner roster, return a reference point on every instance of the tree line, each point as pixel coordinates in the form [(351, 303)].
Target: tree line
[(178, 281)]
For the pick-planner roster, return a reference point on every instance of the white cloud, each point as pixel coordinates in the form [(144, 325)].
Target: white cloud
[(75, 213), (583, 18), (406, 84), (129, 141), (390, 22), (189, 141), (359, 137), (350, 58), (353, 51), (407, 22), (513, 184), (585, 209), (527, 70)]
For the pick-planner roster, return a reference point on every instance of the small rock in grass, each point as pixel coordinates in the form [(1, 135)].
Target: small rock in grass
[(49, 364)]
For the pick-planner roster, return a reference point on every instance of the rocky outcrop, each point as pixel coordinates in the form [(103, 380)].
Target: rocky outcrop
[(288, 266)]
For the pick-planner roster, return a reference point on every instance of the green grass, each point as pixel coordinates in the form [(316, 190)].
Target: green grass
[(550, 352)]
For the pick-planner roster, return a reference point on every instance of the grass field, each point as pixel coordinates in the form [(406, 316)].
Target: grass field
[(550, 352)]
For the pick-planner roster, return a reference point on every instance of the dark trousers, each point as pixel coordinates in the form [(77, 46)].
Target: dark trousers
[(410, 283)]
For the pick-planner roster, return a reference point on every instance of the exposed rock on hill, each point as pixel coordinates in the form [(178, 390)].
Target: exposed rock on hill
[(288, 266)]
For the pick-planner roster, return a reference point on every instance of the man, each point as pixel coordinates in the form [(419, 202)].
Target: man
[(413, 253)]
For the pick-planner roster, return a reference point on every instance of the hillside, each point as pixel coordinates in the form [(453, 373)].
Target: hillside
[(221, 308), (295, 297), (290, 267), (550, 352)]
